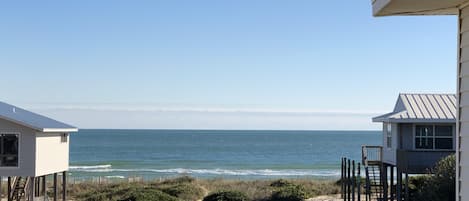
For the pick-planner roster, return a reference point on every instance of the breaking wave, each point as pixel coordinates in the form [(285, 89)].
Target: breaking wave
[(217, 171)]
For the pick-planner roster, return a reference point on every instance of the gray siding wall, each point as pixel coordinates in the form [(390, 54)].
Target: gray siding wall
[(406, 140), (27, 146)]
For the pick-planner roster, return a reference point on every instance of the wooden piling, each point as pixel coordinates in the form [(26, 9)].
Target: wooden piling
[(385, 182), (342, 178), (399, 185), (353, 181), (406, 186), (64, 186), (44, 186), (55, 187), (348, 180), (393, 190), (9, 189), (359, 182)]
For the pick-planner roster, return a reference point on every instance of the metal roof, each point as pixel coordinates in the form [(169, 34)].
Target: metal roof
[(32, 120), (422, 108)]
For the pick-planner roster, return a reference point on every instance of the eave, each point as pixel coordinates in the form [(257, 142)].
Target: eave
[(416, 7)]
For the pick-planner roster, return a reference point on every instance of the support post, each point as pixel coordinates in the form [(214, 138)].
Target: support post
[(1, 187), (37, 181), (399, 185), (406, 186), (55, 187), (348, 180), (392, 183), (359, 183), (385, 182), (344, 181), (9, 189), (353, 181), (64, 186), (342, 178), (44, 187), (32, 188)]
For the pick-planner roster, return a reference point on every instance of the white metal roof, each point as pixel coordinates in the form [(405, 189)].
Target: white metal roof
[(416, 7), (32, 120), (422, 108)]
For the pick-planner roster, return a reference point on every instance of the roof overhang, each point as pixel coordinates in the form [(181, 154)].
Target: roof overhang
[(59, 130), (421, 121), (416, 7), (389, 118), (44, 130)]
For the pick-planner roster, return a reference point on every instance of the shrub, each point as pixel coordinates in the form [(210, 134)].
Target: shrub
[(179, 180), (148, 195), (281, 183), (226, 196), (289, 193), (184, 191), (441, 186)]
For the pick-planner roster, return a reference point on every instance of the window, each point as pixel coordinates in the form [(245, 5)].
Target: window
[(424, 137), (388, 136), (443, 137), (433, 137), (8, 150), (64, 138)]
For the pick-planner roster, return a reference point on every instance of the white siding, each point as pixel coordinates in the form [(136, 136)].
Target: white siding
[(51, 153), (463, 106), (389, 154)]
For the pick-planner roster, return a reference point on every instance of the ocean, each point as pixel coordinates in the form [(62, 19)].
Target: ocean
[(242, 154)]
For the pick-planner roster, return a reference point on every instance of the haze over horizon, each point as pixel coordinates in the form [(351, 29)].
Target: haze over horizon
[(276, 65)]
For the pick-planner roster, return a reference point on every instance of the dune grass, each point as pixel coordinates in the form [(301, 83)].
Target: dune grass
[(190, 189)]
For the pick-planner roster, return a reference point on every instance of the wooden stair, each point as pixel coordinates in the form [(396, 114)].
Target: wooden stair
[(374, 182), (372, 160), (19, 188)]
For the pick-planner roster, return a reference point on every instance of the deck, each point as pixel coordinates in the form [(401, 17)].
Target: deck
[(409, 161), (419, 161)]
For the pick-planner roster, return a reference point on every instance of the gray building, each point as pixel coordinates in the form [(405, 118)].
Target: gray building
[(420, 130)]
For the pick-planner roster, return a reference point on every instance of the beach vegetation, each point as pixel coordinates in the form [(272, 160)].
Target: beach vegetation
[(227, 196), (289, 192), (440, 185), (191, 189)]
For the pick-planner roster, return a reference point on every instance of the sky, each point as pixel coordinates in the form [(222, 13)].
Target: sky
[(263, 64)]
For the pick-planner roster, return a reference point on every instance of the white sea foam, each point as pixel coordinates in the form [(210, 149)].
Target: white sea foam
[(115, 177), (90, 167), (238, 172)]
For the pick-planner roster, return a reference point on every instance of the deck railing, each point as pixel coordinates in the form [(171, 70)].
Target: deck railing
[(371, 154)]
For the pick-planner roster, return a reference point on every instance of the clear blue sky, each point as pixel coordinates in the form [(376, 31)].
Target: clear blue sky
[(244, 64)]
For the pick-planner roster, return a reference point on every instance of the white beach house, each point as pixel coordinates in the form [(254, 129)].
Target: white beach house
[(459, 8), (32, 147)]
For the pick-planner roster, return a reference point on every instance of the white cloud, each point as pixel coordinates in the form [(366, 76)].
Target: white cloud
[(171, 117)]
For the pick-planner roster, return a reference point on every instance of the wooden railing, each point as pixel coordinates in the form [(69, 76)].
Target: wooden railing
[(371, 154)]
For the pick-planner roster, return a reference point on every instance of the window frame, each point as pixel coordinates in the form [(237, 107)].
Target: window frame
[(452, 137), (388, 132), (19, 149)]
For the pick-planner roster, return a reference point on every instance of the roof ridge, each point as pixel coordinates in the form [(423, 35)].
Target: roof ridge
[(427, 93)]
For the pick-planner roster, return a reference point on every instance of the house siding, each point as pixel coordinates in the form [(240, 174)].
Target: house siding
[(406, 136), (26, 157), (51, 153), (389, 153), (463, 107)]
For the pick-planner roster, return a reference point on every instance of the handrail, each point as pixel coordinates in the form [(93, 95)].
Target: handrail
[(13, 186), (371, 153), (26, 187)]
